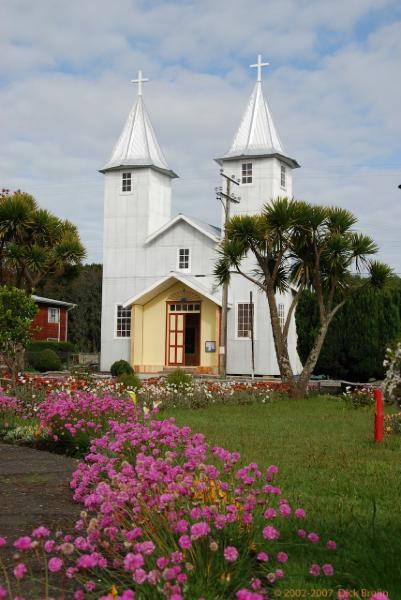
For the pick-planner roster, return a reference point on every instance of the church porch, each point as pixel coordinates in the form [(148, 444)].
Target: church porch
[(175, 324)]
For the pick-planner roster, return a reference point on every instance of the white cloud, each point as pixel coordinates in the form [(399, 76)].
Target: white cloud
[(65, 69)]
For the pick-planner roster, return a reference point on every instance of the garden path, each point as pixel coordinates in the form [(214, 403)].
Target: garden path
[(34, 490)]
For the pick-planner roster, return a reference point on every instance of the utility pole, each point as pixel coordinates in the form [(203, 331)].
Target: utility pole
[(225, 198)]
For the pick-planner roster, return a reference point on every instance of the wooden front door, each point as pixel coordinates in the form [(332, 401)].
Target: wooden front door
[(176, 340)]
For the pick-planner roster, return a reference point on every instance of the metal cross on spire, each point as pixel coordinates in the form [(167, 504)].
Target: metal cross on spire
[(259, 66), (139, 81)]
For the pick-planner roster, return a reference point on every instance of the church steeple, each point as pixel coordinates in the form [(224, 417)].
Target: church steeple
[(137, 145), (257, 135)]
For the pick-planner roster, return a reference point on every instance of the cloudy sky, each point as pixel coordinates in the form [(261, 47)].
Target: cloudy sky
[(334, 87)]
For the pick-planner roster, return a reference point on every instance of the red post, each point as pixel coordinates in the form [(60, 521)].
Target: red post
[(379, 416)]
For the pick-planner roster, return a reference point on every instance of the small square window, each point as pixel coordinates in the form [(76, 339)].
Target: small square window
[(183, 259), (246, 173), (126, 183), (123, 325), (283, 173), (244, 320), (53, 315)]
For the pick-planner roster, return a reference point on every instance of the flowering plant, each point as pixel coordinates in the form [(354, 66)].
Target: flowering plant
[(392, 380)]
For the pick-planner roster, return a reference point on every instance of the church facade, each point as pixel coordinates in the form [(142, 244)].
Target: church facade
[(161, 306)]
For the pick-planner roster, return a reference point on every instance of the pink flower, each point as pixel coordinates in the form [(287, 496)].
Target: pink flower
[(40, 532), (263, 557), (133, 561), (313, 537), (331, 545), (300, 513), (55, 564), (200, 530), (328, 570), (272, 469), (49, 545), (285, 510), (3, 592), (23, 543), (314, 570), (231, 553), (279, 573), (139, 576), (247, 595), (343, 595), (379, 596), (3, 542), (270, 533), (282, 557), (20, 571), (269, 513), (185, 542), (301, 533)]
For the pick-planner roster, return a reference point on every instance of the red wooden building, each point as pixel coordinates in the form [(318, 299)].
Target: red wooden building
[(51, 320)]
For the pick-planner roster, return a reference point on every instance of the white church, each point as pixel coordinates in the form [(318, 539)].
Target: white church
[(161, 306)]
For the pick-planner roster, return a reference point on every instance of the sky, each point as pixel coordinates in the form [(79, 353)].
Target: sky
[(333, 86)]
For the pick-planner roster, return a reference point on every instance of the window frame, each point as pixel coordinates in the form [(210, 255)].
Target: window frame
[(283, 177), (246, 173), (57, 315), (115, 324), (238, 337), (124, 180), (184, 269), (281, 314)]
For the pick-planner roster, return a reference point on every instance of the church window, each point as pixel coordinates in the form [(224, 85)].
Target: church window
[(281, 315), (123, 326), (126, 184), (283, 173), (184, 262), (244, 319), (246, 172)]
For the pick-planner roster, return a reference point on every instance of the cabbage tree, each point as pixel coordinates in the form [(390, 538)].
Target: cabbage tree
[(296, 246)]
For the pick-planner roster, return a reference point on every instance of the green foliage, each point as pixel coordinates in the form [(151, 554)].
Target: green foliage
[(45, 360), (355, 345), (119, 367), (83, 286), (17, 311), (34, 242), (179, 378), (130, 381), (359, 398)]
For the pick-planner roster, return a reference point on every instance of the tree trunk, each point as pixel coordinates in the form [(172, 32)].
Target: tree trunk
[(300, 384)]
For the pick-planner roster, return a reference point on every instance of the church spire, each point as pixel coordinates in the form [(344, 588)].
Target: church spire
[(257, 134), (137, 145)]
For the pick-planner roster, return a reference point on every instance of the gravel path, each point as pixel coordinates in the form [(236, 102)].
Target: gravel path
[(34, 490)]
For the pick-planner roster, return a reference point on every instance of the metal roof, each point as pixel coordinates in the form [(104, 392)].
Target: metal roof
[(137, 145), (213, 293), (257, 135), (209, 230), (41, 300)]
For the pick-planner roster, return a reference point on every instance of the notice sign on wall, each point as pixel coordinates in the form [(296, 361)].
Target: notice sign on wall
[(210, 346)]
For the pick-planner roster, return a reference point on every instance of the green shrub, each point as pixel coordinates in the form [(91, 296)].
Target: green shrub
[(120, 367), (62, 349), (46, 360), (179, 378), (130, 381)]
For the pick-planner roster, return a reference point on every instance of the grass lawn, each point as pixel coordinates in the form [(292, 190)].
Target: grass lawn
[(330, 466)]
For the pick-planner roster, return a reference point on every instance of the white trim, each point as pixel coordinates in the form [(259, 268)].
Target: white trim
[(176, 219), (255, 329), (172, 277), (188, 269)]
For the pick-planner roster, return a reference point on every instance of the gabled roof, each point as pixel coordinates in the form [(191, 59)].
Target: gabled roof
[(257, 135), (50, 301), (212, 232), (137, 145), (164, 283)]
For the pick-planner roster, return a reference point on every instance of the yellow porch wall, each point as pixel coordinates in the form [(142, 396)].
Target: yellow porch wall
[(149, 326)]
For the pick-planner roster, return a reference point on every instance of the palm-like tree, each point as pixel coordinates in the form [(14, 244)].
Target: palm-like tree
[(34, 242), (298, 246)]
